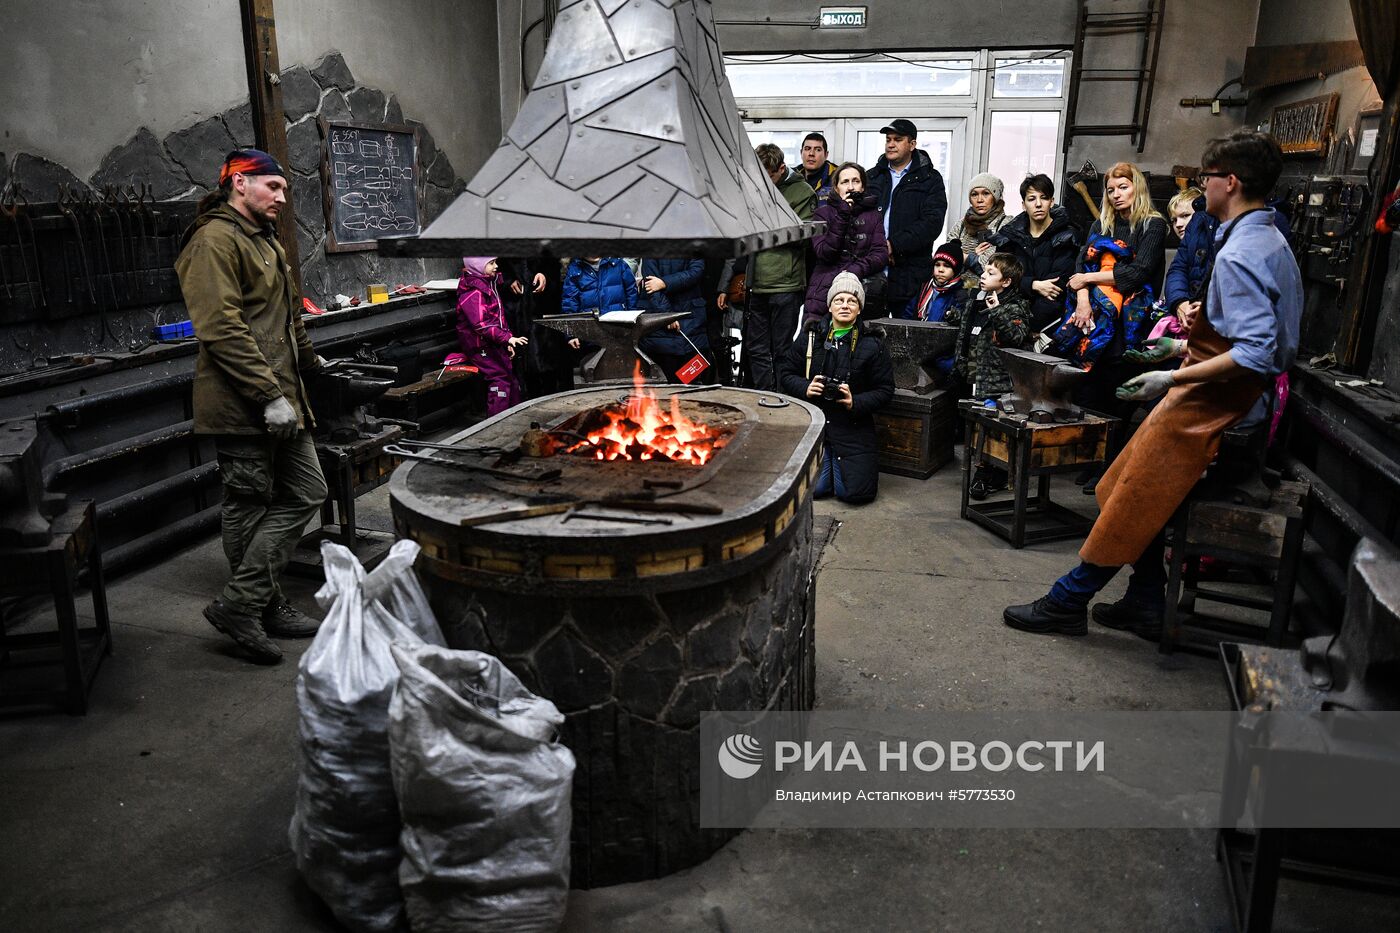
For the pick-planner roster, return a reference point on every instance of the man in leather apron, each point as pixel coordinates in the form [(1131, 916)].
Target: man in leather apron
[(1246, 334)]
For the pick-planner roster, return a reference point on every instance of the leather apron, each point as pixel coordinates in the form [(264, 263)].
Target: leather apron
[(1153, 474)]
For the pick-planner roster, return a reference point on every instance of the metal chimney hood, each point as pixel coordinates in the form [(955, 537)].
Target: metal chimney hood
[(629, 144)]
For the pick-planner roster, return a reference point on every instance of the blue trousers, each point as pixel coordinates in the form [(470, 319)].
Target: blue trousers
[(1146, 587), (829, 479)]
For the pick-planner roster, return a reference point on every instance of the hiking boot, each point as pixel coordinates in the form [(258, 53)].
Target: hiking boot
[(283, 620), (1142, 621), (244, 629), (1046, 617)]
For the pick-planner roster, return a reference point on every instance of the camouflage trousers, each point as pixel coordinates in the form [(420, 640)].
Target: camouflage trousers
[(272, 488)]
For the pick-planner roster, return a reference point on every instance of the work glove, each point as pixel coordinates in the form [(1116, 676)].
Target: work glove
[(1163, 348), (281, 418), (1146, 387)]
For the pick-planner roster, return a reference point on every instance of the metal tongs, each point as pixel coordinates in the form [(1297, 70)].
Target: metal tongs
[(402, 450)]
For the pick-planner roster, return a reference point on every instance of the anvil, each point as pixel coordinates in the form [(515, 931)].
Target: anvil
[(1041, 386), (914, 345), (618, 341)]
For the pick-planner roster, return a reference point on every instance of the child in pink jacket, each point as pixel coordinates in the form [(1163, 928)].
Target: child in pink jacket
[(483, 333)]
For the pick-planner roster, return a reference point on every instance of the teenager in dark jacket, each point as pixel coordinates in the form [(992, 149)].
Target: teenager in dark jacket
[(533, 288), (1044, 241), (914, 201), (853, 239), (674, 285), (837, 350)]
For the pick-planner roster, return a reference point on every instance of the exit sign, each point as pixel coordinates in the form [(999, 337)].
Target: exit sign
[(842, 17)]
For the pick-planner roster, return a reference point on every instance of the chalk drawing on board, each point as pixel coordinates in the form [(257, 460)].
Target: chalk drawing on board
[(371, 184)]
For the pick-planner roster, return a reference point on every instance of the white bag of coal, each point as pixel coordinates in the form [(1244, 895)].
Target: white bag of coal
[(484, 791), (345, 828)]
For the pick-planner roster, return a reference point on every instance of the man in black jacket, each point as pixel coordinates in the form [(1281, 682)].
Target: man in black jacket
[(914, 202)]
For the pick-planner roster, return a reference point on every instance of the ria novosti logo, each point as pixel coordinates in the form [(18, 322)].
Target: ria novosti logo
[(740, 756)]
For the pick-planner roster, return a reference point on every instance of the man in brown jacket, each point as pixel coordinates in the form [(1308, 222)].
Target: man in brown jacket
[(249, 396)]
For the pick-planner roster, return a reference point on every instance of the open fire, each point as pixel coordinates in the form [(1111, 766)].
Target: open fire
[(643, 430)]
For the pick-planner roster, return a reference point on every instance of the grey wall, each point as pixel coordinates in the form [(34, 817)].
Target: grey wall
[(1203, 46), (81, 75), (436, 56), (92, 72)]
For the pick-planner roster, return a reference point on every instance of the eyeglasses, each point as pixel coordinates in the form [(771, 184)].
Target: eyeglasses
[(1214, 174)]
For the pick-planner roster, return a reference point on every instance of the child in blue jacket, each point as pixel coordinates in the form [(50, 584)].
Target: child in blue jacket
[(598, 285)]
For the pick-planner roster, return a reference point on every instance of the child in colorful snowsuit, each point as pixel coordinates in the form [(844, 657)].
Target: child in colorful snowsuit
[(482, 331)]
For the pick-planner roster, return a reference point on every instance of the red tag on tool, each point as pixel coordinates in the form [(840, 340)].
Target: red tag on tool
[(696, 365)]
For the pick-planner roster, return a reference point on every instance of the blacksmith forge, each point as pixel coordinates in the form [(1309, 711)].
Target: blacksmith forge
[(635, 594)]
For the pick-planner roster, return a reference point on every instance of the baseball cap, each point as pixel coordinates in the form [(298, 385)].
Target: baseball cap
[(901, 127)]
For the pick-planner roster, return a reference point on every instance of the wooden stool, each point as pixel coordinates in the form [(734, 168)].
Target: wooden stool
[(1269, 538), (1026, 450), (914, 433), (52, 570)]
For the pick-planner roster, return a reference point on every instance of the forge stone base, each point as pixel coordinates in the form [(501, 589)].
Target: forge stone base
[(632, 674)]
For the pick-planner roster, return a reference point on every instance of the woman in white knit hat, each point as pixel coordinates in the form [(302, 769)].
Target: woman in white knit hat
[(843, 367), (986, 214)]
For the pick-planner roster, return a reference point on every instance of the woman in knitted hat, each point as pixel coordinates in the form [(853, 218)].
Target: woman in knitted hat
[(844, 368), (986, 214)]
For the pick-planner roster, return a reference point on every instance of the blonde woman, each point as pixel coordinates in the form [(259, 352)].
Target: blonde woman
[(1120, 273), (1110, 297)]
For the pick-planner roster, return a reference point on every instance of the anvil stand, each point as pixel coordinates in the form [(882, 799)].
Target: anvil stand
[(1029, 450), (914, 433), (1354, 671), (53, 570)]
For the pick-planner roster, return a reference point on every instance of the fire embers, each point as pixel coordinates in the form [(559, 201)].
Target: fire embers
[(643, 430)]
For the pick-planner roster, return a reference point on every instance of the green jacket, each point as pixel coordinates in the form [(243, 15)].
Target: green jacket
[(245, 309), (784, 268)]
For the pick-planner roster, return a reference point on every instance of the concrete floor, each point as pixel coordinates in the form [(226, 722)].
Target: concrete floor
[(166, 808)]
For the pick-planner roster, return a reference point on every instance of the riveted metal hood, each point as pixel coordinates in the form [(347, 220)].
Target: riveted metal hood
[(628, 144)]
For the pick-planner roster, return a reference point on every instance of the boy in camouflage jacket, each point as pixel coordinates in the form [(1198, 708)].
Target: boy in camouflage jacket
[(997, 316)]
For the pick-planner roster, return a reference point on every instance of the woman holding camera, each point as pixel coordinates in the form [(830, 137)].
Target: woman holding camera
[(844, 368)]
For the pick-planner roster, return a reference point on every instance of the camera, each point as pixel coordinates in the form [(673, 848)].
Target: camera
[(831, 388)]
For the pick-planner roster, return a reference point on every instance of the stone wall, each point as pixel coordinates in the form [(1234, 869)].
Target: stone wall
[(184, 165)]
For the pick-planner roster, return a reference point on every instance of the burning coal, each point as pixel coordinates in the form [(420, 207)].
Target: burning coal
[(644, 430)]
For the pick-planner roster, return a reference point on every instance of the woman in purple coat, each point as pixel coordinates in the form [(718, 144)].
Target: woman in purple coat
[(853, 239), (485, 336)]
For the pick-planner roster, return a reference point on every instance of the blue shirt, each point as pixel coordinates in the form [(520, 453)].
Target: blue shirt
[(896, 176), (1255, 299)]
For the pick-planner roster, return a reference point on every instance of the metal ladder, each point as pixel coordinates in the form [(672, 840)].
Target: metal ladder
[(1145, 23)]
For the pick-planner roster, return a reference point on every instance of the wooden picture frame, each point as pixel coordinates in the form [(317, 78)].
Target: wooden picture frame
[(375, 180), (1304, 128)]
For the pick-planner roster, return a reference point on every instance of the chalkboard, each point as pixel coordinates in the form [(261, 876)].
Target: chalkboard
[(371, 184)]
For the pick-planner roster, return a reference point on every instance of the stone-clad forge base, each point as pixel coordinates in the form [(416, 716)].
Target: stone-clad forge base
[(166, 808), (633, 674)]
